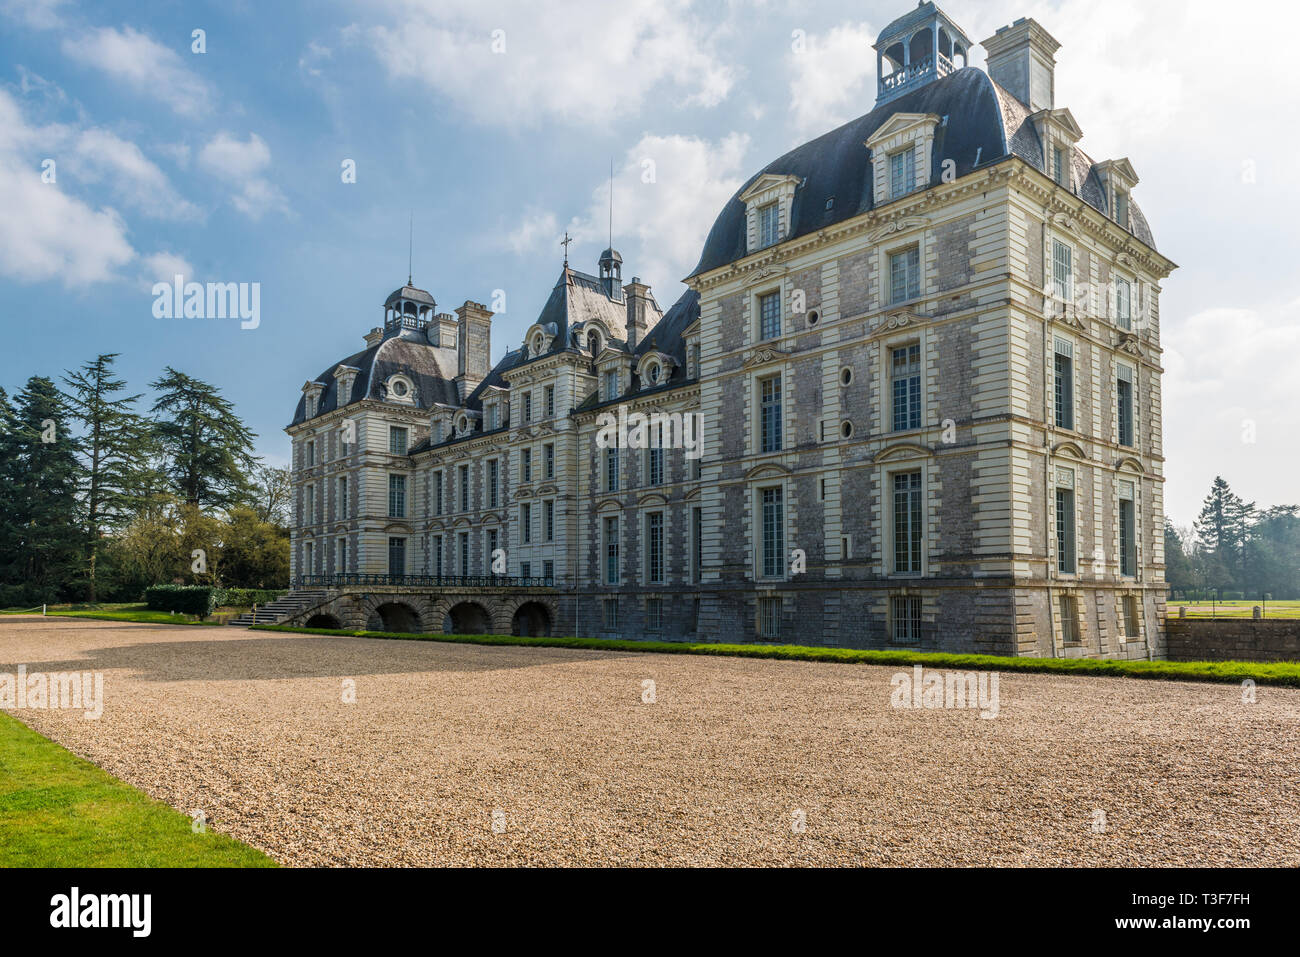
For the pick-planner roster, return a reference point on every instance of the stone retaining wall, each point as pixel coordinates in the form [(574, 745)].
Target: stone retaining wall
[(1226, 639)]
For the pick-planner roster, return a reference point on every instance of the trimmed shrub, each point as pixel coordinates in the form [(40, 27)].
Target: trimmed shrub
[(198, 600), (245, 597)]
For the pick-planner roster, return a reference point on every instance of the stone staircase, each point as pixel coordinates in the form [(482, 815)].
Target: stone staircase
[(277, 611)]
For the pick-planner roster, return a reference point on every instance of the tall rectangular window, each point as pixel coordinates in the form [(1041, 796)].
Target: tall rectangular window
[(1069, 619), (655, 458), (309, 557), (1123, 304), (343, 496), (526, 523), (397, 437), (341, 555), (769, 618), (437, 555), (528, 407), (902, 173), (1062, 271), (397, 496), (437, 493), (905, 376), (493, 480), (464, 554), (611, 469), (609, 612), (697, 543), (773, 528), (770, 414), (1058, 165), (309, 505), (311, 453), (548, 519), (654, 614), (611, 384), (491, 416), (905, 615), (611, 550), (548, 457), (905, 275), (1127, 531), (548, 571), (1132, 627), (526, 464), (464, 488), (769, 315), (550, 400), (397, 556), (908, 524), (1065, 557), (769, 224), (493, 542), (1063, 387), (1124, 404), (654, 547), (1121, 208)]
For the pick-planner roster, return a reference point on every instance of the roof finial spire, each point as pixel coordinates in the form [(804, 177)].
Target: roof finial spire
[(565, 243), (410, 249), (611, 202)]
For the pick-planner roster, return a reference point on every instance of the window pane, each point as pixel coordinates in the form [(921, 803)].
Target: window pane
[(1065, 559), (769, 312), (770, 412)]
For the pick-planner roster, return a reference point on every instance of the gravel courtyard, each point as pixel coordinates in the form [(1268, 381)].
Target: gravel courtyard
[(559, 749)]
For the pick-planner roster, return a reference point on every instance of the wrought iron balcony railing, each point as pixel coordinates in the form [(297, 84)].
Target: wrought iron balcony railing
[(423, 581)]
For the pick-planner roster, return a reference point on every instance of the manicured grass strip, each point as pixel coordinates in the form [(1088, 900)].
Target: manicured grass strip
[(1232, 672), (58, 810), (137, 613), (1288, 608)]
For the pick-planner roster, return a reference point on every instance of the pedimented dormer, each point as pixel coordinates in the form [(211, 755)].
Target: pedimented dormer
[(900, 155), (769, 202), (1118, 179), (344, 377), (614, 369), (496, 407), (539, 338), (1060, 135), (311, 392)]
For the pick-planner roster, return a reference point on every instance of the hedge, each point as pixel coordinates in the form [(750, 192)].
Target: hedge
[(198, 600), (245, 597)]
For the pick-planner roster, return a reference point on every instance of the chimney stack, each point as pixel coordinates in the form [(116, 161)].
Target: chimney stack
[(1022, 60), (473, 346), (639, 307)]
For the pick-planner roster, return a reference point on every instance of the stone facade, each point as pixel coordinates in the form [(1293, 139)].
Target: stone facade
[(928, 420)]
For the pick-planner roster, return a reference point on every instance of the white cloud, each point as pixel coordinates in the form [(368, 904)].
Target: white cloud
[(44, 232), (832, 77), (164, 267), (39, 14), (585, 64), (660, 225), (142, 64), (240, 163), (136, 182), (535, 229)]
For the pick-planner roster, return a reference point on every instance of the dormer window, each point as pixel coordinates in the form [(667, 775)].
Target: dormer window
[(1058, 166), (769, 224), (902, 173), (768, 204), (537, 344), (491, 416), (1121, 207), (593, 343), (611, 384), (653, 372), (400, 389)]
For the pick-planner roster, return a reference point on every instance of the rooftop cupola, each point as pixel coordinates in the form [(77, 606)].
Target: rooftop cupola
[(408, 308), (611, 274), (917, 48)]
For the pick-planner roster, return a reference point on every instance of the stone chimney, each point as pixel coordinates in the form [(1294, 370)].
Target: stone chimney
[(642, 312), (1022, 60), (473, 346), (442, 331), (374, 337)]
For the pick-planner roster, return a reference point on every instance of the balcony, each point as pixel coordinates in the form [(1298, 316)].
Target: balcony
[(356, 579)]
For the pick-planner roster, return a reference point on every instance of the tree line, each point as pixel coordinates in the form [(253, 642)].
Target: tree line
[(1235, 550), (101, 497)]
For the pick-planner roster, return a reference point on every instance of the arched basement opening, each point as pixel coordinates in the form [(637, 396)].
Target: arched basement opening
[(395, 616), (532, 619), (323, 621), (467, 618)]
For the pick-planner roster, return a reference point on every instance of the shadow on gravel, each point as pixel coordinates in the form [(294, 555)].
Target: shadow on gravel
[(290, 657)]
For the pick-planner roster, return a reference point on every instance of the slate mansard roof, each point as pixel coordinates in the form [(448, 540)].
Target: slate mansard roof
[(981, 124)]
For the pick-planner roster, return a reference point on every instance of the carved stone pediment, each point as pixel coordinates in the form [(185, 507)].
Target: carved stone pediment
[(900, 319), (762, 356), (897, 226), (766, 274), (1129, 343)]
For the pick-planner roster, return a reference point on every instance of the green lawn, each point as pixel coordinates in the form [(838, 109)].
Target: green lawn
[(1235, 609), (138, 613), (1270, 673), (57, 810)]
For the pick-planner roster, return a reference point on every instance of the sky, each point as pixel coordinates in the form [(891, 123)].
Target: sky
[(133, 149)]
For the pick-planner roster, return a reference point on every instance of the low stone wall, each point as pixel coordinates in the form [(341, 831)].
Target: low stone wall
[(1227, 639)]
